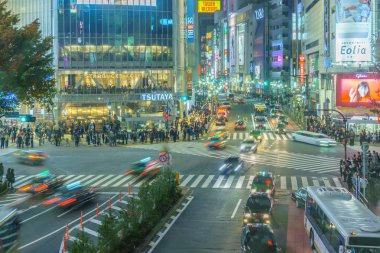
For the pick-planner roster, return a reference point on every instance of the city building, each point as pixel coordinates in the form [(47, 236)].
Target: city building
[(105, 64)]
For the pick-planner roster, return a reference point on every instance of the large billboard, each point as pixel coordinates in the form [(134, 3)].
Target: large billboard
[(208, 6), (258, 42), (354, 90), (353, 30)]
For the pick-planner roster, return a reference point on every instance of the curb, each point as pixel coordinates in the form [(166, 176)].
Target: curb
[(160, 230)]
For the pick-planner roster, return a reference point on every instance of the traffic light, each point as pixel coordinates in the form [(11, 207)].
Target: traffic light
[(266, 83), (184, 98), (27, 118)]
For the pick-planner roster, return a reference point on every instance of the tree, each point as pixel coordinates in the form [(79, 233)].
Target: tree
[(26, 71)]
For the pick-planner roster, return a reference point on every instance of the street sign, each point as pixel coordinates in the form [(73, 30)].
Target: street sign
[(365, 147), (163, 158), (310, 113)]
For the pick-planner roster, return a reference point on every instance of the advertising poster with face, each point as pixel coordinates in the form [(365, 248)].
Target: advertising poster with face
[(357, 90), (353, 30)]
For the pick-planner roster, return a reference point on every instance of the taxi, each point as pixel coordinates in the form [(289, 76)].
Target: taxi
[(72, 194), (216, 143), (144, 167), (263, 182), (280, 129), (220, 132), (44, 182), (33, 157)]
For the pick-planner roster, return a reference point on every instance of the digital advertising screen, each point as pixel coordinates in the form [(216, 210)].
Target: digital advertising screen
[(357, 90)]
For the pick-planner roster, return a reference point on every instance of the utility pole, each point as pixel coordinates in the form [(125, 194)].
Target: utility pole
[(365, 148)]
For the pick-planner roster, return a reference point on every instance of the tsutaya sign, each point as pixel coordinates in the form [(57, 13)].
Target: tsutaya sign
[(157, 96)]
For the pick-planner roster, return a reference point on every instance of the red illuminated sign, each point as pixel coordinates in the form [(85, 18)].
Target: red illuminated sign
[(302, 69)]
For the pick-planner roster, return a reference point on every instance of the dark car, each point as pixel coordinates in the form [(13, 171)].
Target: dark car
[(258, 208), (144, 167), (299, 197), (44, 182), (231, 164), (258, 238), (33, 157), (71, 195), (239, 125)]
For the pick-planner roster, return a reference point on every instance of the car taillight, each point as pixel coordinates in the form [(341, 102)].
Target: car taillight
[(25, 188), (68, 201), (49, 202), (41, 188), (129, 172), (270, 243)]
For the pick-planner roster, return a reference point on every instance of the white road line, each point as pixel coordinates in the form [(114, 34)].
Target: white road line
[(315, 182), (265, 136), (94, 179), (246, 135), (240, 136), (73, 179), (234, 136), (22, 181), (283, 183), (187, 180), (229, 182), (250, 180), (197, 181), (208, 181), (304, 182), (143, 180), (116, 208), (278, 137), (65, 179), (86, 178), (126, 178), (102, 180), (218, 182), (90, 231), (236, 208), (326, 182), (112, 180), (271, 136), (240, 182), (294, 183), (229, 136), (337, 182), (98, 222), (289, 136), (132, 181)]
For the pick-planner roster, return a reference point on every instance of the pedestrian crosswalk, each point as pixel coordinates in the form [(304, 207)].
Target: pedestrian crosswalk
[(265, 135), (10, 198), (202, 181), (273, 158)]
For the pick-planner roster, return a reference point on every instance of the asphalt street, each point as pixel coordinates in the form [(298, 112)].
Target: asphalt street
[(212, 222)]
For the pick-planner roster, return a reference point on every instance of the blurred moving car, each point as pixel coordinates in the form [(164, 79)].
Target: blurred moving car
[(239, 125), (231, 164), (299, 197), (258, 238), (258, 208), (220, 132), (221, 121), (263, 182), (216, 143), (9, 229), (33, 157), (44, 182), (227, 105), (248, 145), (282, 119), (144, 167), (260, 122), (256, 134), (72, 194)]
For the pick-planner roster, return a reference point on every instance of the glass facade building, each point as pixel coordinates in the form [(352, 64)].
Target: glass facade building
[(107, 53)]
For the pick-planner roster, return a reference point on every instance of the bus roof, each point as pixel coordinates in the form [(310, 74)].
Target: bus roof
[(311, 133), (347, 213)]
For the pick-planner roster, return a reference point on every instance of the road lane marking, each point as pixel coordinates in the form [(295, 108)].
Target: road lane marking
[(235, 136), (250, 180), (59, 216), (246, 135), (289, 136), (265, 135), (86, 178), (277, 137), (315, 182), (337, 182), (98, 222), (271, 136), (218, 182), (112, 180), (326, 182), (92, 180), (90, 231), (102, 180), (34, 216), (68, 177), (240, 136), (143, 180), (304, 182), (73, 179), (229, 182), (208, 181), (126, 178), (16, 184), (187, 180), (283, 182), (240, 182), (236, 208), (132, 181), (294, 183), (197, 181)]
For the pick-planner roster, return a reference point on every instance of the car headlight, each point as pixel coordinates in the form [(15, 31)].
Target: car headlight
[(242, 147), (247, 215), (268, 191), (238, 167), (259, 138), (266, 216), (223, 167), (253, 190), (245, 220)]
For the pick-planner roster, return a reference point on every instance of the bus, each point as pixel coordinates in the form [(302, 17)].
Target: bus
[(9, 229), (259, 110), (336, 222), (313, 138)]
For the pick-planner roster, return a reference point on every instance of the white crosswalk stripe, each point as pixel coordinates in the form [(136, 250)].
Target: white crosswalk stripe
[(204, 181), (22, 181), (266, 136)]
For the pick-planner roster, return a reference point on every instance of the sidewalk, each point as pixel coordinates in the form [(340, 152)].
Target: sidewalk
[(357, 147), (373, 197)]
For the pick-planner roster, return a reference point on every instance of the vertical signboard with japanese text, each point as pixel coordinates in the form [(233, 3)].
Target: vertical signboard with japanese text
[(258, 41), (232, 47), (190, 21), (353, 30), (302, 69), (225, 47)]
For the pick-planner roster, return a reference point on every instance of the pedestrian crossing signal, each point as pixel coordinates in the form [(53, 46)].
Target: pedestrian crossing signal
[(185, 98)]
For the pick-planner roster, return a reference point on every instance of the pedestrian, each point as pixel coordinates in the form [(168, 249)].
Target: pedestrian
[(341, 164), (12, 178), (8, 176), (1, 172)]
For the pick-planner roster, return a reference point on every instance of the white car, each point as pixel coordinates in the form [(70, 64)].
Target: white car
[(313, 138), (248, 145)]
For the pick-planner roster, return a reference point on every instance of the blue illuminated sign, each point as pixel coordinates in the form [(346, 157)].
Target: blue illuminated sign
[(190, 21)]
